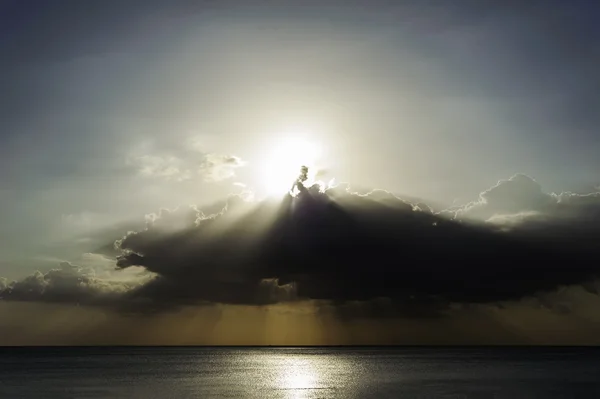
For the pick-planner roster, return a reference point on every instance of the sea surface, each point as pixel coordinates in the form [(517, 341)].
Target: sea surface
[(195, 372)]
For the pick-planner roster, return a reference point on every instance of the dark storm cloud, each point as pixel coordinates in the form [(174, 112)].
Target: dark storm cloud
[(342, 246), (364, 254)]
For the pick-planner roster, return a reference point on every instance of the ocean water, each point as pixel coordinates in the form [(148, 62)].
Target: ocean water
[(192, 372)]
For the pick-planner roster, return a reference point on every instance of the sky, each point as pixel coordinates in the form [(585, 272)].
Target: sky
[(147, 149)]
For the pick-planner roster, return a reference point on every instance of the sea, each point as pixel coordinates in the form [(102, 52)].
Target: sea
[(309, 372)]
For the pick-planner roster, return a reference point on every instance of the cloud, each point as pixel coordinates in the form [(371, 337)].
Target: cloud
[(373, 252), (521, 198), (517, 195), (217, 167), (166, 167), (520, 206), (181, 161), (94, 282), (342, 246)]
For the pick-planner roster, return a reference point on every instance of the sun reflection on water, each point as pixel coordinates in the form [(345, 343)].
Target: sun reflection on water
[(298, 374), (279, 373), (303, 377)]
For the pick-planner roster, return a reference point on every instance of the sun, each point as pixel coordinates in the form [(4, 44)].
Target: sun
[(283, 164)]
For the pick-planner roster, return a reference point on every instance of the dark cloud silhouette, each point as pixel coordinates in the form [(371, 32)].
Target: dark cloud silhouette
[(341, 246), (371, 253)]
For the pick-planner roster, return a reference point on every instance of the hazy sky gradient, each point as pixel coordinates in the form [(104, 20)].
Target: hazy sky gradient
[(110, 110)]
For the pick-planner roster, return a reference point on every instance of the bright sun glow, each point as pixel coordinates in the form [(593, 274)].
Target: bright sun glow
[(283, 164)]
